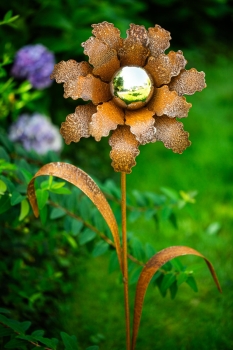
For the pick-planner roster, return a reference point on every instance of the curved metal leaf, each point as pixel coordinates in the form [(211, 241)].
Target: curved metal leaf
[(150, 269), (85, 183)]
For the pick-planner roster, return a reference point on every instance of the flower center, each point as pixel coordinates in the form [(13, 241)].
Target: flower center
[(131, 87)]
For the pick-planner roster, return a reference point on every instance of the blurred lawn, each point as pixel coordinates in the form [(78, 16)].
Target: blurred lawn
[(202, 320)]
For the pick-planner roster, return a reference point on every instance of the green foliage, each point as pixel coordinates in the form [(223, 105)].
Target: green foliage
[(13, 336)]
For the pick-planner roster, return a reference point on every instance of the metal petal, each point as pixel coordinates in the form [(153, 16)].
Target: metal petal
[(108, 116), (134, 50), (124, 149), (141, 124), (69, 72), (163, 67), (84, 182), (107, 33), (188, 82), (89, 88), (168, 102), (172, 134), (103, 59), (159, 40), (77, 124), (150, 269)]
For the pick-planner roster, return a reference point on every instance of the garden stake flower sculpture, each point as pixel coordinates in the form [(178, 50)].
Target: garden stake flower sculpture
[(136, 93)]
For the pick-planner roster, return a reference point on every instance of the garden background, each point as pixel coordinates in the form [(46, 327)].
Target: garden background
[(57, 272)]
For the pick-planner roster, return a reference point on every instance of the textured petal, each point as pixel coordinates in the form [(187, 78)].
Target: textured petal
[(172, 134), (159, 40), (138, 34), (88, 88), (77, 124), (188, 82), (70, 70), (109, 34), (164, 67), (107, 118), (124, 149), (134, 50), (103, 58), (168, 102), (69, 73), (141, 124)]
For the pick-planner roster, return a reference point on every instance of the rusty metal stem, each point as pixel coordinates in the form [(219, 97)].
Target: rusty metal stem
[(125, 260)]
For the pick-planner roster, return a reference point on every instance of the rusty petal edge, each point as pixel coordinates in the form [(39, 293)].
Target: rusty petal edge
[(84, 182), (150, 269)]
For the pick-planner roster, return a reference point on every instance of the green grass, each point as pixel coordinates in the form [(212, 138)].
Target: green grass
[(202, 320)]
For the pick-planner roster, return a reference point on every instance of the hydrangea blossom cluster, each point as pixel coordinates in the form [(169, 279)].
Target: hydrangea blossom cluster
[(35, 63), (36, 133)]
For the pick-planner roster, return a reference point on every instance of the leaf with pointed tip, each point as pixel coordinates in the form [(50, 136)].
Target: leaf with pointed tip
[(85, 183), (150, 269)]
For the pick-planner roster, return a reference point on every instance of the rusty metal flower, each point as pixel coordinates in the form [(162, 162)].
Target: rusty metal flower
[(136, 91)]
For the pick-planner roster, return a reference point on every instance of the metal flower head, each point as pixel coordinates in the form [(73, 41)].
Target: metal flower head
[(136, 91)]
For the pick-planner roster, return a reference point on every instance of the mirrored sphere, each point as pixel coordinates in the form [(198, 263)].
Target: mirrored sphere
[(131, 87)]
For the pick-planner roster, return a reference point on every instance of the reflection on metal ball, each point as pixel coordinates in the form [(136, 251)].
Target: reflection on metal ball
[(132, 87)]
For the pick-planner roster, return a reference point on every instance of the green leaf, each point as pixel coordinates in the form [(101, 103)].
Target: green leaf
[(94, 347), (42, 197), (24, 87), (135, 275), (9, 183), (7, 16), (39, 332), (71, 240), (5, 331), (173, 289), (57, 185), (134, 215), (176, 263), (192, 283), (26, 174), (170, 193), (100, 248), (5, 204), (166, 213), (57, 213), (24, 209), (6, 142), (181, 278), (62, 190), (70, 341), (149, 250), (137, 249), (168, 279), (15, 344), (213, 228), (4, 311), (76, 226), (4, 155), (113, 262), (16, 198), (86, 236), (19, 327), (51, 343), (3, 187), (44, 215)]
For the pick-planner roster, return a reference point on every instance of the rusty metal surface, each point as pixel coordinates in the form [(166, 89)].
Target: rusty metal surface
[(148, 272), (84, 182)]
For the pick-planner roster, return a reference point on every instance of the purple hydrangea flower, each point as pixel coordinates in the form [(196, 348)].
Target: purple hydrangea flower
[(36, 132), (35, 63)]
